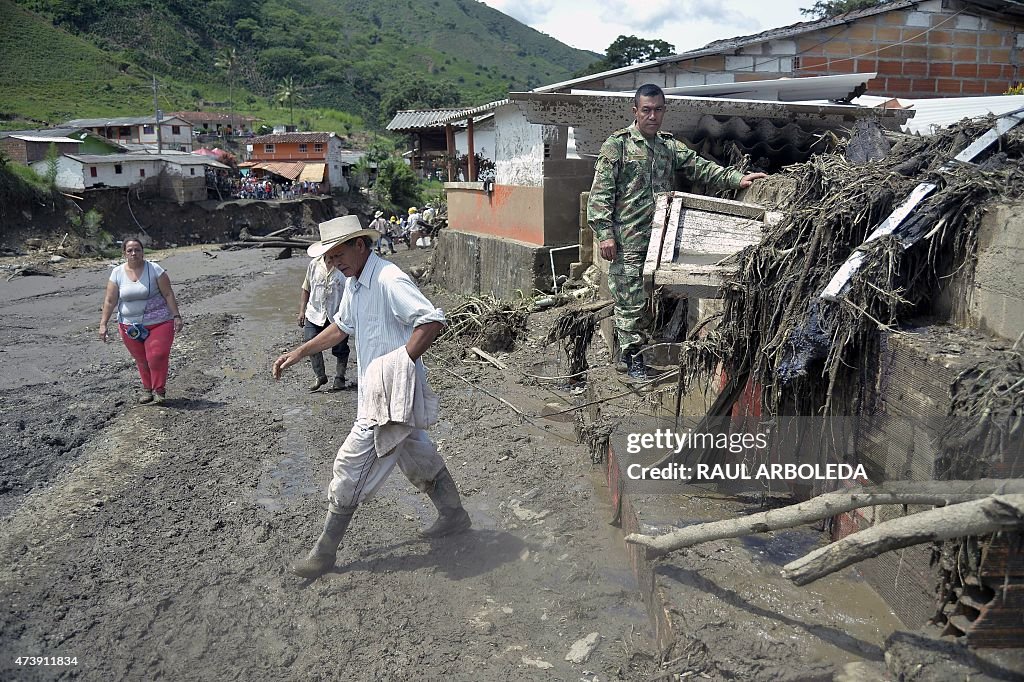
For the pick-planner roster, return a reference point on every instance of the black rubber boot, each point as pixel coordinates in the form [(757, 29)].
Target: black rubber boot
[(324, 553), (637, 368), (622, 366), (452, 518), (339, 381)]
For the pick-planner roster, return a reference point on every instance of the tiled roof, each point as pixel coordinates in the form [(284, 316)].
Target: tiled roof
[(284, 138)]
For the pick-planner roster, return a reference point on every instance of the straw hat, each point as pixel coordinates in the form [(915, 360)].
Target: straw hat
[(412, 209), (378, 214), (337, 231)]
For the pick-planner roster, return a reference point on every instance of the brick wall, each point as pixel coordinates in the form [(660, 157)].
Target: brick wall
[(16, 150), (930, 51), (938, 48)]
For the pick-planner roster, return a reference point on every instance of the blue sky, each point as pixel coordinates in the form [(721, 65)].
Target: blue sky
[(686, 24)]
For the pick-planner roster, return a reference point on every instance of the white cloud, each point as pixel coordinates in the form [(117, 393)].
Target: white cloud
[(686, 24)]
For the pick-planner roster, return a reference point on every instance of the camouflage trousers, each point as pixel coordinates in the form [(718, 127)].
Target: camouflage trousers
[(626, 284)]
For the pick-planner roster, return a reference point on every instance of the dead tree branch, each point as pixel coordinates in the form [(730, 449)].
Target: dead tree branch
[(987, 515), (938, 493)]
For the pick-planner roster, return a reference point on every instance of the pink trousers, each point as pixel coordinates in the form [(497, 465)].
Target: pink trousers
[(152, 355)]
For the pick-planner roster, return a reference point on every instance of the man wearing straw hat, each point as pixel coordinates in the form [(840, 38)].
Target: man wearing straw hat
[(384, 228), (393, 324)]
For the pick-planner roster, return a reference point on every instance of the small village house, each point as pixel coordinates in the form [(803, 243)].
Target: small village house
[(177, 176), (215, 122), (140, 131), (314, 157), (428, 154)]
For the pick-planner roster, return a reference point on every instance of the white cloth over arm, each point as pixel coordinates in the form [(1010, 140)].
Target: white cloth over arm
[(398, 399)]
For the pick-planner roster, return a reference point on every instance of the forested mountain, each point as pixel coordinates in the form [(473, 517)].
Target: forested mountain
[(366, 57)]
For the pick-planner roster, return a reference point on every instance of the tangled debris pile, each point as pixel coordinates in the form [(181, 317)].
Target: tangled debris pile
[(488, 322), (801, 354)]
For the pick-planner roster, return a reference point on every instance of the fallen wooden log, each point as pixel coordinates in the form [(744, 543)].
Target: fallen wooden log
[(828, 505), (272, 244), (978, 517)]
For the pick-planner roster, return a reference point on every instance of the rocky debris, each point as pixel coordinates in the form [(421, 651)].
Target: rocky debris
[(581, 649)]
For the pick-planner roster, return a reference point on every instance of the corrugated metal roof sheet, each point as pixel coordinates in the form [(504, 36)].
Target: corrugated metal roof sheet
[(122, 121), (781, 132), (830, 88), (284, 138), (418, 119), (43, 138), (945, 111), (179, 159), (47, 132), (476, 113)]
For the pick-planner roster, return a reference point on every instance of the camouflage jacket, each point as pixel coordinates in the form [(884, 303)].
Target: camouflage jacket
[(630, 171)]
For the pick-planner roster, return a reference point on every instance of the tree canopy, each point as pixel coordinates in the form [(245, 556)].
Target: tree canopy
[(627, 50), (825, 9)]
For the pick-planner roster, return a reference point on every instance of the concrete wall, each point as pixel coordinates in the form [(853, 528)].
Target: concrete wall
[(991, 299), (933, 49), (477, 264), (564, 181), (509, 211), (519, 149)]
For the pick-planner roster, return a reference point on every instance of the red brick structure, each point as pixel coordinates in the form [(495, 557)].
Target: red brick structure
[(26, 148), (930, 48)]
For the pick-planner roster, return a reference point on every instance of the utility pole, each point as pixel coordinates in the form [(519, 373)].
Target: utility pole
[(156, 109)]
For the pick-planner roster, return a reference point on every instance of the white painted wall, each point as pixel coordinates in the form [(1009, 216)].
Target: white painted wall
[(183, 140), (518, 149), (74, 175), (483, 140)]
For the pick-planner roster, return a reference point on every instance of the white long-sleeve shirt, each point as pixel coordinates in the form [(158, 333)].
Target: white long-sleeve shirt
[(325, 287), (381, 308)]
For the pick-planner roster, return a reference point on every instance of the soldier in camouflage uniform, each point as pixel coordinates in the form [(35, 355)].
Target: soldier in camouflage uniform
[(634, 164)]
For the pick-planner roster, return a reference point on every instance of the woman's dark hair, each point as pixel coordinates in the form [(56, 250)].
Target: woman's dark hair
[(124, 243)]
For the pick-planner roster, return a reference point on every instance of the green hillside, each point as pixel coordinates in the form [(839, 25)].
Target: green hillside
[(73, 58)]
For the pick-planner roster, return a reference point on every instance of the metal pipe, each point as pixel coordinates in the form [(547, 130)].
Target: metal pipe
[(551, 255)]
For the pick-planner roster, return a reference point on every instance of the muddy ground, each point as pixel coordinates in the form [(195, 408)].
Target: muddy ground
[(152, 542)]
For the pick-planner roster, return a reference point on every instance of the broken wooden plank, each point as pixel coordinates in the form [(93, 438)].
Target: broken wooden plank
[(672, 227), (489, 358), (661, 204)]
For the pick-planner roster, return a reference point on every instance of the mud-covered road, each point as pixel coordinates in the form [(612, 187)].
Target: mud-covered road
[(152, 543)]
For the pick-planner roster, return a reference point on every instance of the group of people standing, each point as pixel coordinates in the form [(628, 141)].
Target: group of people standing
[(415, 229)]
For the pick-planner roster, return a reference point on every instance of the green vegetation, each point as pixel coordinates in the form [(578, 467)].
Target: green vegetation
[(79, 58), (825, 9), (19, 186), (627, 50)]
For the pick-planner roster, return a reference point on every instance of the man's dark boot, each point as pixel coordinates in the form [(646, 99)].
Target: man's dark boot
[(324, 553), (637, 368), (339, 380), (451, 517), (622, 366)]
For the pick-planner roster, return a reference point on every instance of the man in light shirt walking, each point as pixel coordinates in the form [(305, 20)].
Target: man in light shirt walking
[(393, 324)]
